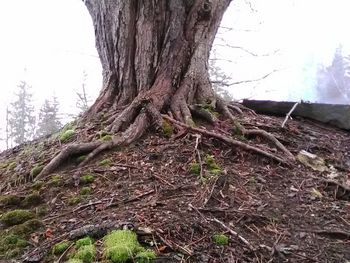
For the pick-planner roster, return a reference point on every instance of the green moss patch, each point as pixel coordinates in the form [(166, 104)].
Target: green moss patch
[(56, 180), (81, 158), (122, 245), (212, 166), (32, 200), (16, 217), (37, 185), (146, 256), (12, 165), (85, 251), (74, 260), (11, 246), (36, 170), (10, 200), (60, 247), (195, 168), (87, 179), (86, 241), (74, 200), (85, 190), (167, 129), (13, 241), (220, 239), (66, 135), (105, 162), (107, 138)]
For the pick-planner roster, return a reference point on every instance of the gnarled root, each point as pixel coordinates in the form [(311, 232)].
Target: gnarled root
[(141, 114), (227, 140), (225, 109)]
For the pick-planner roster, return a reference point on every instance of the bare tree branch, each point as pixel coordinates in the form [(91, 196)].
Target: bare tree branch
[(244, 81)]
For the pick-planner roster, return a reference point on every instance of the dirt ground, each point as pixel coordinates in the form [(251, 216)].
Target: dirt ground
[(271, 212)]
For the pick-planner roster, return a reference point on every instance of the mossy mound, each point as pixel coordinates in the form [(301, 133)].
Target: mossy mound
[(105, 162), (60, 247), (13, 240), (25, 229), (56, 180), (87, 179), (85, 191), (36, 170), (85, 251), (67, 135), (122, 245), (10, 200), (107, 138), (16, 217), (86, 241), (212, 166), (146, 256), (195, 168), (167, 128), (220, 239), (32, 200), (11, 246)]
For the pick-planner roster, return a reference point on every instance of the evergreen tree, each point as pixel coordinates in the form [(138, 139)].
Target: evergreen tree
[(49, 121), (219, 78), (21, 115), (333, 82), (83, 99)]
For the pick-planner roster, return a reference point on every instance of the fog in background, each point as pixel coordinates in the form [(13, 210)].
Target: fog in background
[(50, 44)]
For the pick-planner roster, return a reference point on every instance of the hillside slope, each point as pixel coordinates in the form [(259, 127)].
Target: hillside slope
[(180, 208)]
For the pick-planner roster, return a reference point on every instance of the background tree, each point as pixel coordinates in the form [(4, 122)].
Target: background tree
[(21, 115), (49, 121), (83, 100), (219, 78), (333, 82)]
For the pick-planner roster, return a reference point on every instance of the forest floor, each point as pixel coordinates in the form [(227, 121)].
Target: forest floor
[(270, 212)]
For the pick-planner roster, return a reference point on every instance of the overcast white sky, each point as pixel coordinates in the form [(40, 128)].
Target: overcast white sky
[(49, 43)]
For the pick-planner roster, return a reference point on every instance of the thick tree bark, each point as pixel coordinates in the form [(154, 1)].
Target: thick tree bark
[(154, 55), (155, 50)]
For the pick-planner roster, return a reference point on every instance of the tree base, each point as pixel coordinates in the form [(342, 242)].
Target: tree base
[(148, 115)]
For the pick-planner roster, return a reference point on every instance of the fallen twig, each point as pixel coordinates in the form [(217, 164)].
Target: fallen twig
[(288, 114), (245, 241)]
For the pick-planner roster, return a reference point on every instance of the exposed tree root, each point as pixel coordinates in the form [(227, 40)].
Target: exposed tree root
[(227, 140), (142, 113), (225, 109)]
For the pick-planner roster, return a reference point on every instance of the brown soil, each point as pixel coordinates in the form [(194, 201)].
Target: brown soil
[(286, 214)]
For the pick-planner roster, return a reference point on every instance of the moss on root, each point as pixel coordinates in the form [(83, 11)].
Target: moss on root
[(36, 170)]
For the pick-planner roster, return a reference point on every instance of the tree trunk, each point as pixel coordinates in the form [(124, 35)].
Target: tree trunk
[(155, 51), (154, 55)]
